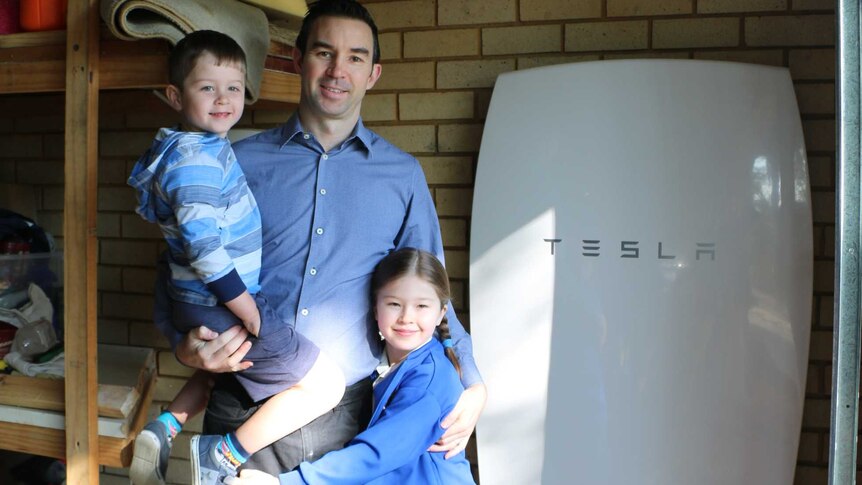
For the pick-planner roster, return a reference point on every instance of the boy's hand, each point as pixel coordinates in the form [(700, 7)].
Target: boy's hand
[(253, 326), (207, 350)]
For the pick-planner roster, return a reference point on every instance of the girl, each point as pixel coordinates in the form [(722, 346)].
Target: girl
[(415, 387)]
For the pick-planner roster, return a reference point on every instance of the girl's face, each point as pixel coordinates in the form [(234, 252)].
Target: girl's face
[(407, 312)]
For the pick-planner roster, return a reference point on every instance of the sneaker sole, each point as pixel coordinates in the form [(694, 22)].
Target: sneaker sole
[(145, 463), (195, 460)]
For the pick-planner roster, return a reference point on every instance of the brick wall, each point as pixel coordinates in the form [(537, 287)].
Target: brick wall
[(441, 58)]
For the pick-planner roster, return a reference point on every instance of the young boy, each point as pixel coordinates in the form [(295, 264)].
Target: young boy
[(191, 185)]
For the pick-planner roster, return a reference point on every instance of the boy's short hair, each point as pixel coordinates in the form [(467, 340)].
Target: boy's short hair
[(187, 51), (337, 8)]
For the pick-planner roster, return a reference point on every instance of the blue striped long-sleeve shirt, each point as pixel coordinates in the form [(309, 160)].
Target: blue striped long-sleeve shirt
[(191, 185)]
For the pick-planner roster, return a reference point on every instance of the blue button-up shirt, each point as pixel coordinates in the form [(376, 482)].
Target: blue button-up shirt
[(328, 219)]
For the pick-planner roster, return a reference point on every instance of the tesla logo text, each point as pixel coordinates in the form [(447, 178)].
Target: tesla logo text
[(553, 242), (592, 248)]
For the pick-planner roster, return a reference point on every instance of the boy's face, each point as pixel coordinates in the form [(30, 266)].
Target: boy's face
[(212, 96)]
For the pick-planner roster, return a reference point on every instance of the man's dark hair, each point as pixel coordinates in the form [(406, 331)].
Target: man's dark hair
[(349, 9), (187, 51)]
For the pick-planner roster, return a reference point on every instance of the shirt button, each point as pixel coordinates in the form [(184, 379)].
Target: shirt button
[(322, 191), (304, 312), (313, 271), (319, 230), (306, 136), (325, 156)]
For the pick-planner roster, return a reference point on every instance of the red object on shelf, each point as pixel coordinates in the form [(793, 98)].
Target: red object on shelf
[(7, 334), (43, 14), (9, 17)]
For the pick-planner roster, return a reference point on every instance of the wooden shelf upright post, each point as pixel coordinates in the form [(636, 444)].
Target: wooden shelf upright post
[(80, 244)]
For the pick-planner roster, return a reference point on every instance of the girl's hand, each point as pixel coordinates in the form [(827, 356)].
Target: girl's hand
[(460, 422), (252, 477)]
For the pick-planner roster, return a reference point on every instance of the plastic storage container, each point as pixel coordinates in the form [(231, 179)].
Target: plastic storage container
[(17, 271), (43, 14)]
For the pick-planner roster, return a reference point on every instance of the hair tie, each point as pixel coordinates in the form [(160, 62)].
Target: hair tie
[(448, 343)]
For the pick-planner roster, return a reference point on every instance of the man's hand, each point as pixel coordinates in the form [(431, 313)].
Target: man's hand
[(252, 477), (207, 350), (460, 422)]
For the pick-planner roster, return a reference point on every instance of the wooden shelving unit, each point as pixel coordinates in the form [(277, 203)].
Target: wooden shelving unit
[(80, 62)]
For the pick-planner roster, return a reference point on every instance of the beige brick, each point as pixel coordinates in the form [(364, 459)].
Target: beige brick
[(379, 107), (457, 263), (471, 74), (134, 226), (816, 413), (170, 366), (407, 13), (521, 39), (483, 101), (153, 119), (128, 252), (454, 202), (51, 222), (774, 57), (814, 381), (824, 276), (460, 138), (110, 278), (113, 331), (811, 475), (448, 170), (436, 106), (647, 55), (821, 172), (829, 242), (116, 198), (139, 280), (459, 300), (390, 45), (460, 12), (816, 98), (441, 43), (6, 125), (454, 232), (827, 310), (145, 334), (823, 207), (40, 124), (537, 61), (52, 198), (607, 36), (112, 172), (682, 33), (38, 172), (627, 8), (809, 447), (814, 5), (812, 63), (124, 144), (54, 145), (800, 30), (406, 75), (725, 6), (107, 225), (560, 9), (119, 305), (110, 121), (7, 172), (179, 472), (819, 135), (817, 242), (410, 138), (21, 146), (270, 117)]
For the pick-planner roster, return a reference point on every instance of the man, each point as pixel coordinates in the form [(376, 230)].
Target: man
[(334, 199)]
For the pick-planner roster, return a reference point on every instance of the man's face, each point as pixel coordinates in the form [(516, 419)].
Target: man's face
[(337, 69)]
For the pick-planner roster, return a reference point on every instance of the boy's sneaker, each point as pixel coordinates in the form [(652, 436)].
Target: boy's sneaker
[(209, 467), (150, 461)]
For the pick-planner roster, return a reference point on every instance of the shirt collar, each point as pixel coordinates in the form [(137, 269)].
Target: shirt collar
[(292, 128)]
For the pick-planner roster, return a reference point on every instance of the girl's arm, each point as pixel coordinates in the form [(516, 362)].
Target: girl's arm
[(408, 426)]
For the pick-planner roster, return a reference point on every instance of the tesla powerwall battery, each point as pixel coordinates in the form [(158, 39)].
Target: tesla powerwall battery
[(641, 275)]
